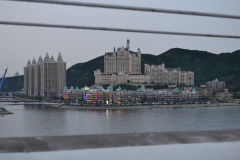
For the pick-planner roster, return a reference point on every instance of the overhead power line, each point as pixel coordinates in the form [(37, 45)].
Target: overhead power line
[(131, 8), (116, 29)]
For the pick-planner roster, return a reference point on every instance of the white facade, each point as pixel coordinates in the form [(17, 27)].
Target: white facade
[(120, 78), (123, 60), (161, 75)]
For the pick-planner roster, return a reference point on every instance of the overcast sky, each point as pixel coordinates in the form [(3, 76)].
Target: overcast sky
[(18, 44)]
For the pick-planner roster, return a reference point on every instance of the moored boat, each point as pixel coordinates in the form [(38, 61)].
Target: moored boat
[(4, 111)]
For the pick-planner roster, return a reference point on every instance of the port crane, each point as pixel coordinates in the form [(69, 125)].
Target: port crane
[(3, 79)]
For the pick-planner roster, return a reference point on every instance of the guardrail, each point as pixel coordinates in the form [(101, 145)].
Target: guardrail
[(57, 143)]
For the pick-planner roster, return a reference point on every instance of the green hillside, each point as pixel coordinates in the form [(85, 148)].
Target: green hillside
[(81, 74), (12, 84), (206, 66)]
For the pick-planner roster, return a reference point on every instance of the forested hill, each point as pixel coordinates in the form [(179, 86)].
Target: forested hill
[(81, 74), (11, 84), (206, 66)]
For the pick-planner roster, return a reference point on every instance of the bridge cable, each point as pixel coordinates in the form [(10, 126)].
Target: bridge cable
[(117, 29), (131, 8)]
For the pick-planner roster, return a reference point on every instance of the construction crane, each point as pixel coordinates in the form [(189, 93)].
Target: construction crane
[(3, 79)]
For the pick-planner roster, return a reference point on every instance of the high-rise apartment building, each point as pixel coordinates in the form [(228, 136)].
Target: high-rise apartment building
[(46, 78)]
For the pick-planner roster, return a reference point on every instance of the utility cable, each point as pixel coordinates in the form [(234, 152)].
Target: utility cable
[(131, 8), (116, 29)]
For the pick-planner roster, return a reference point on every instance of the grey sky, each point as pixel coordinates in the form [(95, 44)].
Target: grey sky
[(19, 44)]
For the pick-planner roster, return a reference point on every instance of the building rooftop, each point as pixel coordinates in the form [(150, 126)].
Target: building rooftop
[(109, 87), (86, 88), (171, 69), (109, 53), (154, 65)]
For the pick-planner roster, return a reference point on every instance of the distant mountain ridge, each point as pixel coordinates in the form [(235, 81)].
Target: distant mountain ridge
[(205, 65), (12, 83)]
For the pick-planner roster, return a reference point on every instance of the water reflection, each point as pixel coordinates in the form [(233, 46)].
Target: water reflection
[(107, 116), (48, 120), (42, 120)]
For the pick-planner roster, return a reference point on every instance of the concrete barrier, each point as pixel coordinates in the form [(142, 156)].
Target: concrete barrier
[(59, 143)]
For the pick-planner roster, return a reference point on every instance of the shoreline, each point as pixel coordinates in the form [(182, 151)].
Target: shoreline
[(144, 106)]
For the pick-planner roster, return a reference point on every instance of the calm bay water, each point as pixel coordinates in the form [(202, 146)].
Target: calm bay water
[(43, 120)]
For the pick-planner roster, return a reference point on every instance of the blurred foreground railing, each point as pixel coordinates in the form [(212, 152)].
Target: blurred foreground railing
[(76, 142)]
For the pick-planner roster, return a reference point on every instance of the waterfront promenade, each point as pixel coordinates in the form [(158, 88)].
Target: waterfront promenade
[(146, 106), (106, 107)]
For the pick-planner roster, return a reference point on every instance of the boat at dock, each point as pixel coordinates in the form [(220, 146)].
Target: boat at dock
[(4, 111)]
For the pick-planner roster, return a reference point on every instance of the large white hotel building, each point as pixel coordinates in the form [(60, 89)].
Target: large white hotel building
[(124, 66)]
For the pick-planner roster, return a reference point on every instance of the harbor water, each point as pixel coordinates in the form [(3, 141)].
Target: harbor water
[(43, 120)]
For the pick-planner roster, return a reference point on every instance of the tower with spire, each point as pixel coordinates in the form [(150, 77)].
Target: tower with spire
[(128, 44), (123, 60)]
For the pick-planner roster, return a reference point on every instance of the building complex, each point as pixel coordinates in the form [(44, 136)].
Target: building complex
[(99, 95), (220, 89), (123, 65), (177, 93), (161, 75)]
